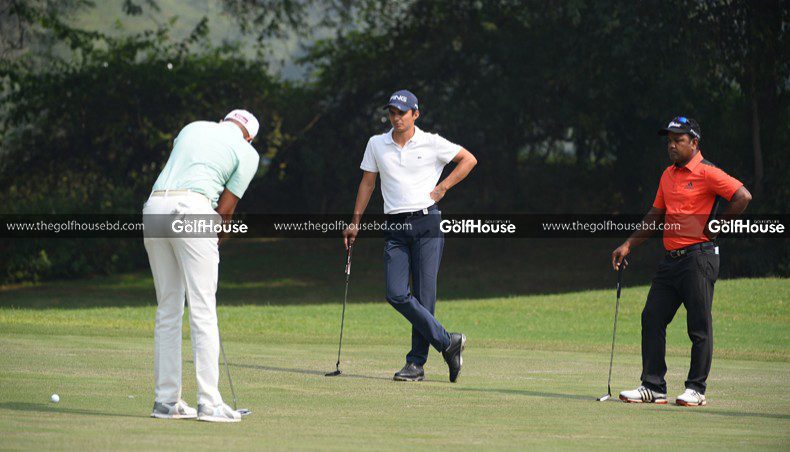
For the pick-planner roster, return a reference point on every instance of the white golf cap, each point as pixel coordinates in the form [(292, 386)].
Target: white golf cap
[(246, 119)]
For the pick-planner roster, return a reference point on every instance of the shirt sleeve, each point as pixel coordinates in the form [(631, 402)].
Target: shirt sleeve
[(245, 171), (659, 203), (369, 160), (722, 183), (445, 149)]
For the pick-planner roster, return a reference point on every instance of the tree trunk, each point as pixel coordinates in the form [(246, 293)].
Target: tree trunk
[(757, 148)]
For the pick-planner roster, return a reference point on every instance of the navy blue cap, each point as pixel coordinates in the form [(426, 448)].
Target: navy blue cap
[(403, 100), (682, 124)]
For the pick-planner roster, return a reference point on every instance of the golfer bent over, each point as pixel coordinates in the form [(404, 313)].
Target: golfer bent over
[(209, 169), (687, 196), (410, 163)]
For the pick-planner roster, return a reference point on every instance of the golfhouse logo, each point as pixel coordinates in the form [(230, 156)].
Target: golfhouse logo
[(205, 226), (740, 226), (477, 227)]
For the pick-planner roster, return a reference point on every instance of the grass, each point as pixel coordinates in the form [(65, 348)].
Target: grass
[(533, 367)]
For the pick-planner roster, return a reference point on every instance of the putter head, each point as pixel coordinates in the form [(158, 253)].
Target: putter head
[(244, 411), (333, 374), (604, 398)]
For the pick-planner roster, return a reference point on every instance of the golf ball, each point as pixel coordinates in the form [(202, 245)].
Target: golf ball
[(55, 398)]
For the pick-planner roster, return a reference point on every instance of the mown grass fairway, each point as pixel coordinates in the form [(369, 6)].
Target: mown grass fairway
[(533, 367)]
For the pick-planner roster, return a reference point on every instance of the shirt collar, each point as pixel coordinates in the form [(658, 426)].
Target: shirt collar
[(693, 163), (232, 126), (418, 134)]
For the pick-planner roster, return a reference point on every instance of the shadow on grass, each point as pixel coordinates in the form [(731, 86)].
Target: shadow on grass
[(49, 408), (524, 392), (714, 412), (305, 371), (310, 271), (701, 411), (323, 373)]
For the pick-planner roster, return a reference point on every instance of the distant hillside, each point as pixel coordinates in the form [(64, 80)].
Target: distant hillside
[(108, 17)]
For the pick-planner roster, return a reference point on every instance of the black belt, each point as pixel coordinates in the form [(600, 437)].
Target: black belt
[(406, 215), (674, 254)]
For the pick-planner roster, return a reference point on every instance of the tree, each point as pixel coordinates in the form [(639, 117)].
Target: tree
[(749, 41)]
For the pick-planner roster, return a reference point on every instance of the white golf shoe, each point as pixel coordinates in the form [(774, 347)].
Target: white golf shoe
[(691, 397), (219, 413), (173, 410), (643, 395)]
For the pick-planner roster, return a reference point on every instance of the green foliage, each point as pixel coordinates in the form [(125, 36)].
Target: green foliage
[(90, 136), (560, 102), (539, 88)]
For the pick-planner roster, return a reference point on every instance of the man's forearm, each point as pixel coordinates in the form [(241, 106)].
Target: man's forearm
[(738, 203), (462, 169), (226, 205), (458, 174), (363, 197), (226, 214), (638, 237)]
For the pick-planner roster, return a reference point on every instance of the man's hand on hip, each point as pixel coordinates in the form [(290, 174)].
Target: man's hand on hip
[(438, 193)]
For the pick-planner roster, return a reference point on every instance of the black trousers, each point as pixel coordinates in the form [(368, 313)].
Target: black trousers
[(689, 280)]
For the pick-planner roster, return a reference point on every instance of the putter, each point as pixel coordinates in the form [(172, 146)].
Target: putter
[(608, 394), (241, 411), (337, 371)]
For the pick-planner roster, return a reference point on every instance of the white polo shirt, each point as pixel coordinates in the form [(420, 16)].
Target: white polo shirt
[(410, 173)]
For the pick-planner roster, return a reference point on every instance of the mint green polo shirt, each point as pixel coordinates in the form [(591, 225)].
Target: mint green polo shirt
[(208, 157)]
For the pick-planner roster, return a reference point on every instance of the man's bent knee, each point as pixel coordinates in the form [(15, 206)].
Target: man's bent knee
[(398, 300)]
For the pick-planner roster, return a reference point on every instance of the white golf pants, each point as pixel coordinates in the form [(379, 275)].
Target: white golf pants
[(184, 267)]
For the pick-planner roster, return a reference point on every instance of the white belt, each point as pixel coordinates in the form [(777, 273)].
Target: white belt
[(182, 191), (179, 192)]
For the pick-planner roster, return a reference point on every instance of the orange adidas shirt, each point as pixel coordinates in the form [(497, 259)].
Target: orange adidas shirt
[(688, 195)]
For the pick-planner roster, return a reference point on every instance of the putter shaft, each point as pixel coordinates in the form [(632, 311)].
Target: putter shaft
[(227, 369), (343, 314), (614, 334)]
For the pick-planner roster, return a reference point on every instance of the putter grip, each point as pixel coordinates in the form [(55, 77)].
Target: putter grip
[(619, 279), (348, 261)]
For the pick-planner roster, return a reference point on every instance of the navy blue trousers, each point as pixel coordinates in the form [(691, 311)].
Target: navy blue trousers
[(416, 253)]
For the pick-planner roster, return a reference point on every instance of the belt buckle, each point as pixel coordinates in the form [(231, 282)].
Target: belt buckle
[(674, 254)]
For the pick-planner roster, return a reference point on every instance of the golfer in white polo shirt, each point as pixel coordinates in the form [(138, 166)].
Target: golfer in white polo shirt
[(209, 169), (410, 163)]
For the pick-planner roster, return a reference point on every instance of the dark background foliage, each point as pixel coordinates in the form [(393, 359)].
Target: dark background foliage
[(560, 102)]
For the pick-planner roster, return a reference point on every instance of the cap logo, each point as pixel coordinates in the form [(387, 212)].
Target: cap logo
[(400, 98), (240, 118), (674, 124)]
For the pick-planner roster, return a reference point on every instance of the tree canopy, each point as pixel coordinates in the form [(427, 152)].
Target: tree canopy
[(560, 102)]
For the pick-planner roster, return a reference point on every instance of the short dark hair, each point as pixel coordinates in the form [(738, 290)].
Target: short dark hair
[(695, 125)]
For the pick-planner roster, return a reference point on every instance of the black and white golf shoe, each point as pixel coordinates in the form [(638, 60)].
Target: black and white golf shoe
[(452, 355), (643, 395), (410, 372)]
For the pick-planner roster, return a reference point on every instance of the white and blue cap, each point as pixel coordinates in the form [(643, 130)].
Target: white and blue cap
[(403, 100)]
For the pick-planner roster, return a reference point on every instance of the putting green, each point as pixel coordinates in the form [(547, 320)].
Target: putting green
[(533, 368)]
